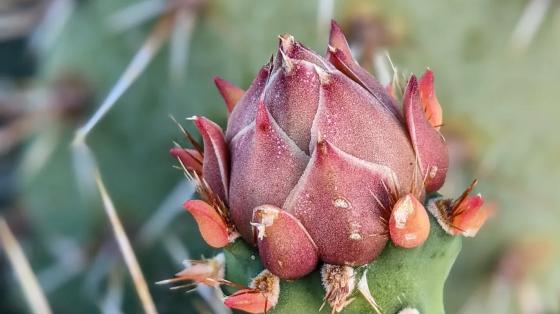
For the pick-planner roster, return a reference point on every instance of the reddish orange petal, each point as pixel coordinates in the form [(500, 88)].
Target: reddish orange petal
[(409, 224), (431, 105), (248, 300), (211, 225), (230, 93), (471, 215)]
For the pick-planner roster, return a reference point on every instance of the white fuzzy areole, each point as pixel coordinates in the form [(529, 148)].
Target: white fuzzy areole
[(272, 292), (339, 283), (434, 210)]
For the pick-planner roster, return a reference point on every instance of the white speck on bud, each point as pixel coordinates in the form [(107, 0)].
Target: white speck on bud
[(355, 236), (341, 202), (433, 171)]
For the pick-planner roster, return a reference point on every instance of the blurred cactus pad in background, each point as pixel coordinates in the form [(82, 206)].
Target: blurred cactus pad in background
[(495, 65)]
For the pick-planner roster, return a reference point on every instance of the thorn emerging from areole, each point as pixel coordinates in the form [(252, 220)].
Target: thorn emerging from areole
[(363, 288)]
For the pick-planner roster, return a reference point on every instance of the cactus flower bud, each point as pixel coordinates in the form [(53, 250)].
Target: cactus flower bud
[(323, 146), (319, 165)]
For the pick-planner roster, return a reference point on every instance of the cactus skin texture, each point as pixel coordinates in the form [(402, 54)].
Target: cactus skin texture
[(317, 191)]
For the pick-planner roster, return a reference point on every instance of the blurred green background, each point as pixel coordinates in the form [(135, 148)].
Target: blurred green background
[(496, 64)]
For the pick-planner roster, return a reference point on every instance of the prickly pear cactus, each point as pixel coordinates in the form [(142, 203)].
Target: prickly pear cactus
[(322, 190)]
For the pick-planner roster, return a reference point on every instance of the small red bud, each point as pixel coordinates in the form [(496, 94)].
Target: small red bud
[(248, 300), (409, 224), (261, 296), (469, 215), (211, 225)]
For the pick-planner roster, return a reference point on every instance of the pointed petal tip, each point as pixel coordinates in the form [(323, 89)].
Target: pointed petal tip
[(229, 92), (428, 75), (430, 102), (334, 24), (285, 42), (338, 40), (174, 151), (412, 84), (287, 62), (211, 225)]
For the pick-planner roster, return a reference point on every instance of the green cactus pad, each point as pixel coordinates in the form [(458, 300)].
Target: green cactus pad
[(397, 279)]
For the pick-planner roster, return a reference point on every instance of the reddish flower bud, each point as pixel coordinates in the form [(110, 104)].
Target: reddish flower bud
[(322, 139)]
